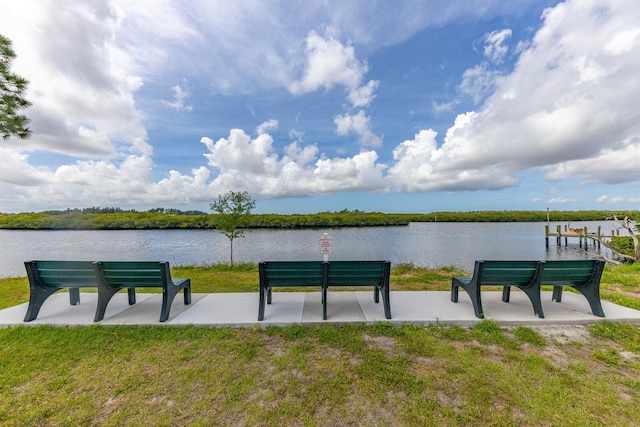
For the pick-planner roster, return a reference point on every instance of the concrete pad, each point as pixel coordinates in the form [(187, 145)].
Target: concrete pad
[(573, 309), (419, 307), (56, 310), (147, 312), (342, 307), (241, 310)]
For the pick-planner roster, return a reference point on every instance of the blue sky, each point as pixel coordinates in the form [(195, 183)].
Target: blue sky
[(391, 106)]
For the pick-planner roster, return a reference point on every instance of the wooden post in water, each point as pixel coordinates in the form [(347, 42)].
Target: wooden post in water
[(586, 238), (558, 237), (599, 237), (546, 234), (580, 236)]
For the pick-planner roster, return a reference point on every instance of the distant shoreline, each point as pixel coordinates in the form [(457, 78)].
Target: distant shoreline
[(176, 220)]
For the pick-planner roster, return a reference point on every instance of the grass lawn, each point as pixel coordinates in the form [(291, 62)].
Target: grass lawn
[(325, 375)]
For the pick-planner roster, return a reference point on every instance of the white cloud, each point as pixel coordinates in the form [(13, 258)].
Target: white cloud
[(494, 45), (611, 200), (267, 126), (623, 41), (417, 168), (82, 95), (360, 124), (444, 106), (562, 200), (478, 82), (180, 96), (482, 79), (253, 165), (329, 63), (569, 108), (363, 96)]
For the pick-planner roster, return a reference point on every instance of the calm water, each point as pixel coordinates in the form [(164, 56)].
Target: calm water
[(424, 244)]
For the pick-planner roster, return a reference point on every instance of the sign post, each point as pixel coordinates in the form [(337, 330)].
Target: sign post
[(325, 246)]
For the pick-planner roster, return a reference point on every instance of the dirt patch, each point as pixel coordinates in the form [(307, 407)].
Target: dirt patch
[(387, 344), (565, 334)]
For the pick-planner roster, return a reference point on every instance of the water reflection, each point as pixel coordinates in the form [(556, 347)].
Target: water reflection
[(424, 244)]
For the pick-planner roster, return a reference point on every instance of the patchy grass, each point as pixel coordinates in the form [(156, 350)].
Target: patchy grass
[(325, 375)]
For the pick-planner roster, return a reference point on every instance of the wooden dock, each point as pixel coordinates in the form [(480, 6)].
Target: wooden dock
[(582, 234)]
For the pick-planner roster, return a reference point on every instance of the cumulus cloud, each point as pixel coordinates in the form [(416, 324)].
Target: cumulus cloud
[(568, 108), (253, 165), (359, 124), (363, 96), (482, 79), (331, 63), (82, 97)]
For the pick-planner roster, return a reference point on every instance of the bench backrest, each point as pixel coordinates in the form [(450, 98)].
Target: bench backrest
[(291, 273), (134, 274), (572, 272), (62, 274), (517, 273), (358, 273)]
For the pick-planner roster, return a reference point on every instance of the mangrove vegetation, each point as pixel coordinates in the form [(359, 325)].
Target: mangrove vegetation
[(160, 218)]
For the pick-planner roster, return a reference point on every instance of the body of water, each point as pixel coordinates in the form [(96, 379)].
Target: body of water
[(424, 244)]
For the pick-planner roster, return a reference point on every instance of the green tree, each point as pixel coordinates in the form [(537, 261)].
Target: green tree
[(232, 210), (12, 88)]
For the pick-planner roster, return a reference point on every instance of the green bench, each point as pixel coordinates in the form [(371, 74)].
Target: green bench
[(582, 275), (324, 274), (360, 273), (285, 274), (525, 275), (48, 277), (114, 276)]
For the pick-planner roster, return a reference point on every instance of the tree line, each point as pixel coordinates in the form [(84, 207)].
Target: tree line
[(160, 218)]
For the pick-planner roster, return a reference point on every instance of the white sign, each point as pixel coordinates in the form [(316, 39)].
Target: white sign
[(325, 244)]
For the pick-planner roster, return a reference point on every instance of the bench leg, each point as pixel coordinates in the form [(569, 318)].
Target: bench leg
[(74, 296), (454, 292), (506, 293), (592, 294), (263, 291), (385, 301), (473, 290), (167, 299), (269, 296), (37, 297), (187, 295), (131, 293), (169, 293), (376, 295), (533, 292), (557, 294), (104, 296), (324, 303)]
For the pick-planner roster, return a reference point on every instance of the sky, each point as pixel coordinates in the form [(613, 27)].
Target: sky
[(311, 106)]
